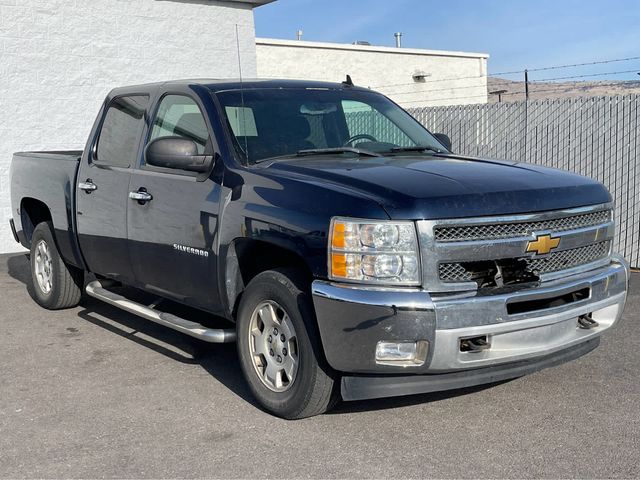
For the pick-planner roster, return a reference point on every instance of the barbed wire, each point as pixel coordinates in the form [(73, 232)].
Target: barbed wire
[(514, 72), (495, 74), (511, 82), (558, 89)]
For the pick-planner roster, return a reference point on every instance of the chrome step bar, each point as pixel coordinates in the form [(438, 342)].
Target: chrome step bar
[(97, 290)]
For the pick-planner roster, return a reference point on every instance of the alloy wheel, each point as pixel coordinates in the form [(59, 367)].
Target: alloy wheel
[(43, 267), (273, 346)]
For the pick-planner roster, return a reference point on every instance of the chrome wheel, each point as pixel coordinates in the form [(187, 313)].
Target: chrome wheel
[(273, 346), (43, 266)]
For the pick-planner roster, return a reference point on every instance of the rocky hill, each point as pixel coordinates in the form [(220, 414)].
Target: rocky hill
[(543, 90)]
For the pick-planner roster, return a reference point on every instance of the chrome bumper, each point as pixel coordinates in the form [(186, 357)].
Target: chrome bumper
[(353, 319)]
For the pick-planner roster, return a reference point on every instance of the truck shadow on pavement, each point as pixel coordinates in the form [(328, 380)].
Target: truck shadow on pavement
[(220, 361), (361, 406)]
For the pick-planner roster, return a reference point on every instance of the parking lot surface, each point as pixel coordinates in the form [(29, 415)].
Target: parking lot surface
[(96, 392)]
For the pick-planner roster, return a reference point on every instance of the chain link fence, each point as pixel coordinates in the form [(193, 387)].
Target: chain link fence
[(597, 137)]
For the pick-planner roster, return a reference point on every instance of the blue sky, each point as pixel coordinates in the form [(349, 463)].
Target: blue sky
[(517, 34)]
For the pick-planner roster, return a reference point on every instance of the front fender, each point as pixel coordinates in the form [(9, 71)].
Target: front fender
[(289, 214)]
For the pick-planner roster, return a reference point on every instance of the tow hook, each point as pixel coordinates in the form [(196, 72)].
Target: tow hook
[(474, 344), (586, 322)]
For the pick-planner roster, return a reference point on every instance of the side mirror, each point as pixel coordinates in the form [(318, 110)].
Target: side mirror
[(177, 152), (444, 140)]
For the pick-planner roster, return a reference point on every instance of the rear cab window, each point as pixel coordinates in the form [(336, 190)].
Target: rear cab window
[(121, 131)]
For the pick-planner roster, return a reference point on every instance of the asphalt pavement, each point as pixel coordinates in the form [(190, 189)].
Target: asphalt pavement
[(96, 392)]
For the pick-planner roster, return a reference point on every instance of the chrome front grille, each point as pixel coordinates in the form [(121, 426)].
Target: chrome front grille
[(465, 233), (570, 258), (469, 254), (454, 272), (554, 262)]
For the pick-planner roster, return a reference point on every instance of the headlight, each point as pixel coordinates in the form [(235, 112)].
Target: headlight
[(377, 252)]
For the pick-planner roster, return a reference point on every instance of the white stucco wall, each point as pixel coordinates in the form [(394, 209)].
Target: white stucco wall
[(59, 58), (453, 77)]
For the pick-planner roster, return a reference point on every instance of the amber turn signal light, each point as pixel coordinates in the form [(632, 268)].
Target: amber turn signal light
[(339, 265)]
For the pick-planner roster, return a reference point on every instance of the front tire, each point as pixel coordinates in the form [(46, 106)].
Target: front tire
[(279, 347), (55, 285)]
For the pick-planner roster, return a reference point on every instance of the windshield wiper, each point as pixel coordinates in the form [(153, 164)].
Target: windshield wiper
[(320, 151), (417, 148), (323, 151)]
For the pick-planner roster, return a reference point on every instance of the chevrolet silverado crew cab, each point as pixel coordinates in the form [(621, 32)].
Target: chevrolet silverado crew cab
[(345, 248)]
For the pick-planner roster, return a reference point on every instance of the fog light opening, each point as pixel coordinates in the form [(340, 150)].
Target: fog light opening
[(404, 354), (475, 344)]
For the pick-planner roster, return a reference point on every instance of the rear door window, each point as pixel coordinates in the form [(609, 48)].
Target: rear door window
[(121, 131)]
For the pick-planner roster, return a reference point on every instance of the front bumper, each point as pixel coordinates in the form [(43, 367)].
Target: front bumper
[(353, 319), (361, 387)]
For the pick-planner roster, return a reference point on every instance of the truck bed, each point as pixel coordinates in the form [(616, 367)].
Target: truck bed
[(48, 178), (69, 155)]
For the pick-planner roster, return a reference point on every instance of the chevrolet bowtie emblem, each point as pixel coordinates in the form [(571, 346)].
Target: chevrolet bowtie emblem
[(543, 245)]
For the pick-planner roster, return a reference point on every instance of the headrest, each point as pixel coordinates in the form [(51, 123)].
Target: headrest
[(298, 127)]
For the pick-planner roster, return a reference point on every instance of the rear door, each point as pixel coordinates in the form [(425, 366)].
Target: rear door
[(172, 236), (103, 187)]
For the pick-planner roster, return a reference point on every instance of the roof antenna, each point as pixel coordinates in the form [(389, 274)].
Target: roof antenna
[(243, 123), (348, 82)]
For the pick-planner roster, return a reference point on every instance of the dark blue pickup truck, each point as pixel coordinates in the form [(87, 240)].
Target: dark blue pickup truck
[(345, 248)]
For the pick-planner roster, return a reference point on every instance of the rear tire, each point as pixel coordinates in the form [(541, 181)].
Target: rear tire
[(279, 347), (55, 285)]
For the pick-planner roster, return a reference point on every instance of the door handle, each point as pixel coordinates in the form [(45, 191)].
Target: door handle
[(141, 196), (88, 186)]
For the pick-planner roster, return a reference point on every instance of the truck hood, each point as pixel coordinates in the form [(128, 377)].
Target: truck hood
[(448, 186)]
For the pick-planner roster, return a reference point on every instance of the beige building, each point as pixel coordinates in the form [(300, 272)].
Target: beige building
[(411, 77)]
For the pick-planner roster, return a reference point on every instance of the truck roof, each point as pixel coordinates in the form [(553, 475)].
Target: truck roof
[(218, 85)]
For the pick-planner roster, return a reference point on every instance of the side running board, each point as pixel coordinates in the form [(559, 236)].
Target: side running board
[(97, 290)]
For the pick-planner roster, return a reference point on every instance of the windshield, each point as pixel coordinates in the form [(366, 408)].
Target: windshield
[(268, 123)]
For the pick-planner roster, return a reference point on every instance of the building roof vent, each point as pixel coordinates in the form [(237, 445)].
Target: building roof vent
[(420, 76), (362, 42), (398, 36)]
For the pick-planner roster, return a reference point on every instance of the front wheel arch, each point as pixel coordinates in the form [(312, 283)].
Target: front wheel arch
[(247, 258)]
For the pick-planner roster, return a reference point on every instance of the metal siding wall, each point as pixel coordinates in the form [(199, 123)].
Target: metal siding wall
[(597, 137)]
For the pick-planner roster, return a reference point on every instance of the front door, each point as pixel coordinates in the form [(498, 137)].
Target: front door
[(103, 188), (171, 236)]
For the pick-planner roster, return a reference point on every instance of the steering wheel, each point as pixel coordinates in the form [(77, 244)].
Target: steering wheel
[(360, 136)]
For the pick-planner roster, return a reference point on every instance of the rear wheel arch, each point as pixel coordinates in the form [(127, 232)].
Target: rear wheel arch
[(32, 213)]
